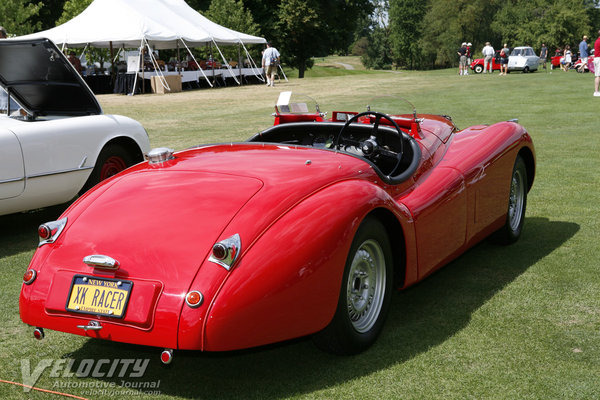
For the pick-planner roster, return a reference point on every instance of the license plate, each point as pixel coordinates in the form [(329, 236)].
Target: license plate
[(99, 296)]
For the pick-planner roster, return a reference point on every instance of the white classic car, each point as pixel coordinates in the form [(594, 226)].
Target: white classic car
[(523, 59), (55, 141)]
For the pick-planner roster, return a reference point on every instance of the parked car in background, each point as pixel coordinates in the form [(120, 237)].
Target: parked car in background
[(523, 59), (478, 64), (55, 141), (520, 59)]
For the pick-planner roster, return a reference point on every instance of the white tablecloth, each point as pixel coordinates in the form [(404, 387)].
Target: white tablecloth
[(194, 76)]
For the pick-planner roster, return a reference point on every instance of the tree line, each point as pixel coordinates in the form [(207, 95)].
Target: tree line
[(411, 34), (424, 34)]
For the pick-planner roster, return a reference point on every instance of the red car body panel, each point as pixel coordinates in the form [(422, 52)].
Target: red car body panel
[(296, 210), (481, 62)]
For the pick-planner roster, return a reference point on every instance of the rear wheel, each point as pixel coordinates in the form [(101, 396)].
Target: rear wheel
[(365, 294), (517, 203), (112, 160)]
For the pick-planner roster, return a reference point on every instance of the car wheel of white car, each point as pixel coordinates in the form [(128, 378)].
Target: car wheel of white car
[(517, 203), (112, 160), (365, 294)]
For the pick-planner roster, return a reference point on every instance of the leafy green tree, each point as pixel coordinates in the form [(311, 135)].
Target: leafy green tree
[(378, 52), (447, 23), (233, 15), (18, 17), (50, 12), (405, 18), (71, 9), (342, 19), (533, 22), (301, 33)]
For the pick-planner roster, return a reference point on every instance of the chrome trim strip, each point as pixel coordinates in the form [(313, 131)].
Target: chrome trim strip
[(12, 180), (66, 171)]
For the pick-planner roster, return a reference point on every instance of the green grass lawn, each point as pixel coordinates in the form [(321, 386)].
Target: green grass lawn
[(516, 322)]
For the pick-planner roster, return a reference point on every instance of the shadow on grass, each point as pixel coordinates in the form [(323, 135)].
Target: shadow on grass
[(18, 232), (421, 317)]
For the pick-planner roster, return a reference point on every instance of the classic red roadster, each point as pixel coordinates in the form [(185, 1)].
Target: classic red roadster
[(304, 229)]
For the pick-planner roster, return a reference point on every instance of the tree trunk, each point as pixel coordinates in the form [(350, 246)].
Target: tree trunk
[(301, 69)]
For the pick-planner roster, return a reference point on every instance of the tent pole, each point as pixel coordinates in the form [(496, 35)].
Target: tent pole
[(112, 62), (143, 68), (240, 62), (213, 62)]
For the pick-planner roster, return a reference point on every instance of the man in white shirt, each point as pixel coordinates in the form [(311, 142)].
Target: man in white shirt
[(270, 61), (488, 56)]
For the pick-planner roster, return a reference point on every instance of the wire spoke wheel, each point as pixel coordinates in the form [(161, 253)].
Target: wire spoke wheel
[(366, 286), (516, 200), (112, 166), (365, 293)]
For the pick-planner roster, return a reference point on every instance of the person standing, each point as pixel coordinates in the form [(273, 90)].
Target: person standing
[(73, 59), (3, 34), (270, 61), (469, 57), (583, 53), (462, 59), (488, 57), (597, 66), (504, 59), (544, 55), (566, 63)]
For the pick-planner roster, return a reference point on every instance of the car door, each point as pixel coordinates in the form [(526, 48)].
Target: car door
[(438, 205), (12, 170)]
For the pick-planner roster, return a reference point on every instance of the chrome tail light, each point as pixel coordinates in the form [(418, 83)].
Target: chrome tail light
[(226, 251), (50, 231)]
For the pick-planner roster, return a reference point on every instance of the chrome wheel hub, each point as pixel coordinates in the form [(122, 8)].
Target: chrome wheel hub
[(366, 286)]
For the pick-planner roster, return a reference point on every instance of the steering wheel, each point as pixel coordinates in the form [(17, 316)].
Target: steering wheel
[(371, 147)]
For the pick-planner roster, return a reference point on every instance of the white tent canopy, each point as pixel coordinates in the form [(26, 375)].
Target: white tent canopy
[(126, 23)]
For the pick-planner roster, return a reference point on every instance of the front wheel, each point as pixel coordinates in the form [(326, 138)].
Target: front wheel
[(517, 203), (365, 294), (478, 69)]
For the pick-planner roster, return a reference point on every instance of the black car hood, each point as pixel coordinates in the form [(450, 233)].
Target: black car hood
[(43, 81)]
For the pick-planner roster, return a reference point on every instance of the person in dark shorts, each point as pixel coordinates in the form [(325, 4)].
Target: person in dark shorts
[(504, 59)]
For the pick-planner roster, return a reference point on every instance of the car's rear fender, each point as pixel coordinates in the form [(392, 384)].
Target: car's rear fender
[(286, 283)]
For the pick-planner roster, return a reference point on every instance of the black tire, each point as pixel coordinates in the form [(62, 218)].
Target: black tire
[(356, 323), (517, 204), (478, 69), (111, 160)]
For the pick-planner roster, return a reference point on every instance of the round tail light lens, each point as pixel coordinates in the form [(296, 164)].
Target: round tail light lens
[(220, 251), (44, 232), (194, 299), (29, 276)]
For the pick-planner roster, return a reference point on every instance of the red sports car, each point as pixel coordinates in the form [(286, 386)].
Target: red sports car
[(305, 229), (478, 64)]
